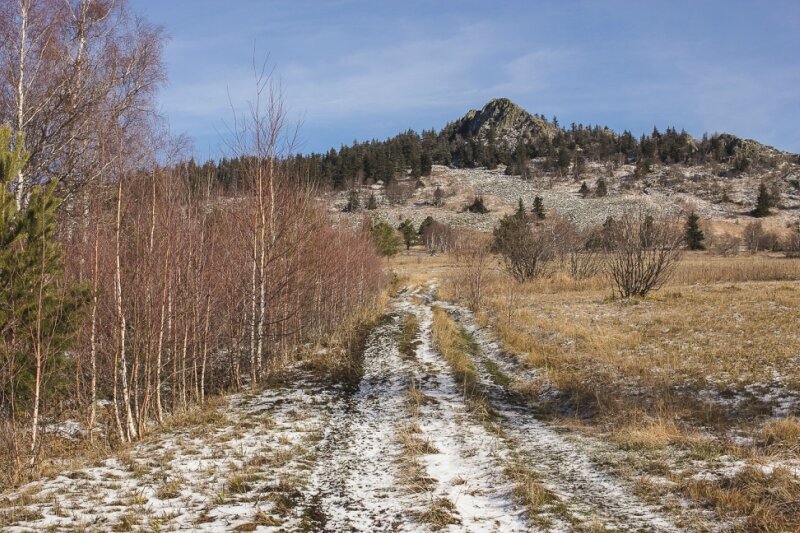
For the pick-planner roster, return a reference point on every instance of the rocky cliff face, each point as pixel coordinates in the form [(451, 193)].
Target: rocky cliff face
[(504, 120)]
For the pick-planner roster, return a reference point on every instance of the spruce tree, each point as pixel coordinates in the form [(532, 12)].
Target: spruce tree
[(763, 202), (601, 189), (353, 202), (579, 166), (372, 203), (521, 210), (477, 206), (584, 190), (538, 208), (426, 164), (694, 235), (424, 225), (408, 232), (563, 160)]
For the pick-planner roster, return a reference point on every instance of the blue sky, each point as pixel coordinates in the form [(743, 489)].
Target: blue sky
[(370, 69)]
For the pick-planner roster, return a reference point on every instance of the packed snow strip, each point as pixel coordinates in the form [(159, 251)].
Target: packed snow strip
[(564, 464), (354, 486), (467, 463)]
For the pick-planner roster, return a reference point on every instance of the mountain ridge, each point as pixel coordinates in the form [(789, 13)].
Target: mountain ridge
[(506, 116)]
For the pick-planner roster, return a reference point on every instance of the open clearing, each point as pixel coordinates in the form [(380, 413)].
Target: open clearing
[(305, 456), (481, 435)]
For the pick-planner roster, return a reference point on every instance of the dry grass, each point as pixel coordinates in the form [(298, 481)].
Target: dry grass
[(407, 344), (705, 268), (413, 443), (713, 354), (440, 514), (683, 354), (414, 476), (169, 490), (782, 434), (756, 499), (528, 489), (457, 347)]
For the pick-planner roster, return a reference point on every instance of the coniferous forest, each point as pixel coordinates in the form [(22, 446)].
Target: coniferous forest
[(565, 150)]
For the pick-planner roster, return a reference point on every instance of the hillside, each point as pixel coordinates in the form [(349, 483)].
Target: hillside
[(718, 177)]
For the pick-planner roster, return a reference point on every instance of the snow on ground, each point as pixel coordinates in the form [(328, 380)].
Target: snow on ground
[(310, 456), (468, 461), (353, 486), (565, 464)]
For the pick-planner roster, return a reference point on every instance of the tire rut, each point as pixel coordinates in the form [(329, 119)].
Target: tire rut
[(469, 459), (353, 486), (565, 465)]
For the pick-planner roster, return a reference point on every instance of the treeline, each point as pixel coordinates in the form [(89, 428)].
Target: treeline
[(130, 291), (411, 155)]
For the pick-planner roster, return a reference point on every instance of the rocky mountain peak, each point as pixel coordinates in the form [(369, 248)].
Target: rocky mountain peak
[(503, 119)]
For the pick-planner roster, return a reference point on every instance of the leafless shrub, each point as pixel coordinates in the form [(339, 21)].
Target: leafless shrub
[(438, 237), (398, 192), (571, 245), (726, 244), (791, 246), (644, 251), (759, 239), (527, 249), (473, 257)]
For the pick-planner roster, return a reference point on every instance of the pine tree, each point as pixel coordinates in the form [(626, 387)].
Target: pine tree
[(477, 206), (563, 160), (538, 208), (408, 232), (385, 238), (584, 190), (763, 202), (694, 235), (642, 168), (426, 164), (38, 312), (579, 166), (353, 202), (601, 189), (424, 225)]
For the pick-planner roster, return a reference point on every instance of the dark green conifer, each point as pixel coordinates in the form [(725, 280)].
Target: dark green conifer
[(538, 208), (601, 188), (694, 235), (763, 202)]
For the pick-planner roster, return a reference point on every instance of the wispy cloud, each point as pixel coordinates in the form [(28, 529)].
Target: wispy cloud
[(362, 69)]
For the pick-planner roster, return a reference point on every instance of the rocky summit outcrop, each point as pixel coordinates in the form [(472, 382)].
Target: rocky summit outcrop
[(501, 120)]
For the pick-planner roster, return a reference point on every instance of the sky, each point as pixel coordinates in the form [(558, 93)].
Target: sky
[(360, 70)]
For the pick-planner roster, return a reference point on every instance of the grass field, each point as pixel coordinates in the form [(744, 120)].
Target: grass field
[(700, 381)]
